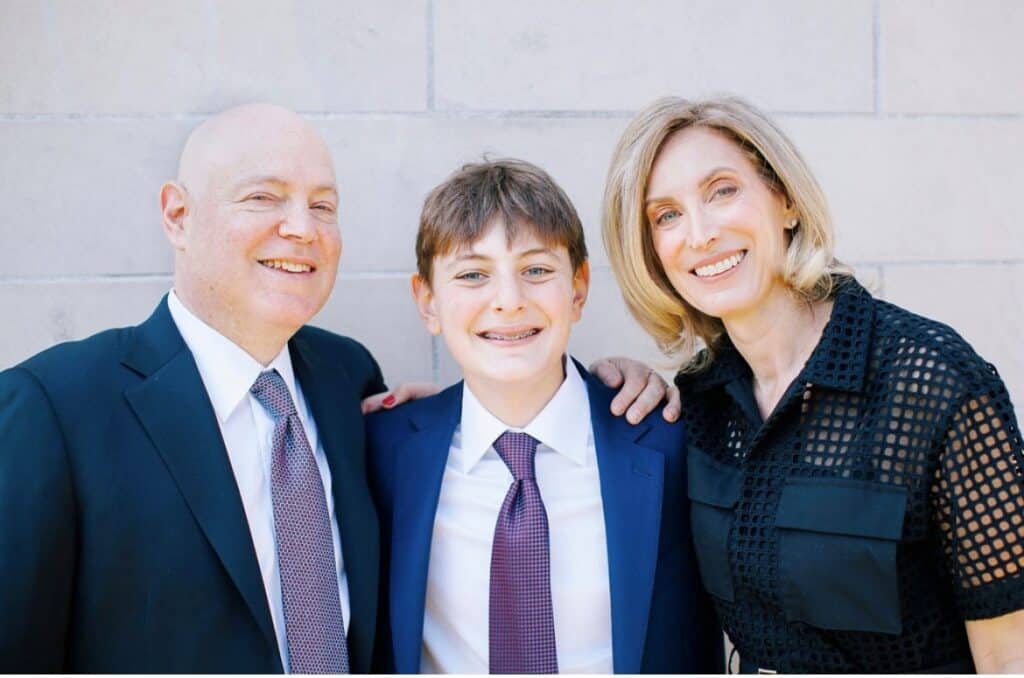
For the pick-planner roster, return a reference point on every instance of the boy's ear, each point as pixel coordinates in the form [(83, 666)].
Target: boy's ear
[(580, 287), (425, 303)]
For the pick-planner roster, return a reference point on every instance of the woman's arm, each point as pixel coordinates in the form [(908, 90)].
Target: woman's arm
[(997, 644), (641, 390)]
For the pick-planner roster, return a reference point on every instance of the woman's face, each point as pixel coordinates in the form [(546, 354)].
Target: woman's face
[(719, 232)]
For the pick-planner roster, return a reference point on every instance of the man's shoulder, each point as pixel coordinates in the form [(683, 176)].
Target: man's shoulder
[(319, 339), (324, 344), (72, 362)]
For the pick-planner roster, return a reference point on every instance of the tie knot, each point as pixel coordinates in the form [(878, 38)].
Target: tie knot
[(272, 393), (517, 450)]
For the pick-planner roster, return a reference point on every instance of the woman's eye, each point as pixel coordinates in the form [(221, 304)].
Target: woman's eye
[(665, 217), (324, 207), (724, 191)]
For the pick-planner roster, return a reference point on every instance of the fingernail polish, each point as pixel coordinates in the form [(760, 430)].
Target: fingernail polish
[(389, 401)]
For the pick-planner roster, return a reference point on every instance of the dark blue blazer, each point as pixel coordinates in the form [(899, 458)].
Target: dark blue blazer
[(124, 545), (662, 621)]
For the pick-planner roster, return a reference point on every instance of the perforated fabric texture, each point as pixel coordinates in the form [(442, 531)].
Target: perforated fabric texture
[(879, 505)]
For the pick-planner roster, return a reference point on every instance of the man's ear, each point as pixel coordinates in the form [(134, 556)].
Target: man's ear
[(173, 210), (580, 287), (425, 303)]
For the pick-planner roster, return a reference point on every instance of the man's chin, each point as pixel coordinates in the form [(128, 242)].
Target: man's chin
[(285, 312)]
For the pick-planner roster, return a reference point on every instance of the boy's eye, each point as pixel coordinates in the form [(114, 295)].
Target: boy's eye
[(534, 271), (470, 276)]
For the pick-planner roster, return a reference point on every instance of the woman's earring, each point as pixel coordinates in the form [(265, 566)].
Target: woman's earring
[(794, 222)]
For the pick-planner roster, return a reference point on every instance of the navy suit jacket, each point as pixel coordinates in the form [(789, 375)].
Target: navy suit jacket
[(662, 621), (124, 545)]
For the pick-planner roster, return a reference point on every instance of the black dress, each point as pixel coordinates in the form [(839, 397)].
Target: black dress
[(879, 506)]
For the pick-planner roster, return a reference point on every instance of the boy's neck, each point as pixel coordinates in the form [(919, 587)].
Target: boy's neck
[(517, 403)]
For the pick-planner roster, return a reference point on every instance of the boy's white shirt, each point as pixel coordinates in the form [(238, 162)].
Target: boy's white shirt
[(455, 629)]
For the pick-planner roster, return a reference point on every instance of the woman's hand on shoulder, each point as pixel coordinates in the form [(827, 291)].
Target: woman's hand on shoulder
[(642, 389)]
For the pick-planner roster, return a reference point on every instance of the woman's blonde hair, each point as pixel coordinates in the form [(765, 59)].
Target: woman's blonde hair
[(677, 327)]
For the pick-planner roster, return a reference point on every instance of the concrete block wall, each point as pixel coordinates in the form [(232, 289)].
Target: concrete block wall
[(911, 112)]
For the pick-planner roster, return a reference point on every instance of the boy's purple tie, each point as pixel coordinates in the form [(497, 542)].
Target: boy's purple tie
[(305, 550), (522, 626)]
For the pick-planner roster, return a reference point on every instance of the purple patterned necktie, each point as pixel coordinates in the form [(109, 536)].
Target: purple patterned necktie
[(305, 549), (522, 625)]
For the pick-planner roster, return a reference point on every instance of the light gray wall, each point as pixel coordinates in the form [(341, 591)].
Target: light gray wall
[(910, 111)]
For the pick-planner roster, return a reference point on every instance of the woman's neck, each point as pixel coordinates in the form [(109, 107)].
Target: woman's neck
[(775, 340)]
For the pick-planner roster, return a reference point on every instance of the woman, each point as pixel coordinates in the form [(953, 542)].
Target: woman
[(855, 469)]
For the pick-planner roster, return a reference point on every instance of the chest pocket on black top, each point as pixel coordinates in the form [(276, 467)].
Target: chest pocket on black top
[(837, 553), (713, 488)]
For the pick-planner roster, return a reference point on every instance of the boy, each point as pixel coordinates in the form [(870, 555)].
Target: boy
[(525, 529)]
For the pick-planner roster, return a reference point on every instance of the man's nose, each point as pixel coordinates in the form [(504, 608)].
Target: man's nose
[(299, 223)]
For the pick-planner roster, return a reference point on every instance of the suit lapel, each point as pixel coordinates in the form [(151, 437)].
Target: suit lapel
[(334, 403), (632, 484), (173, 407), (419, 469)]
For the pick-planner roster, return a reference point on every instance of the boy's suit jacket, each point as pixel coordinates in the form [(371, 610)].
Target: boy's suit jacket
[(124, 546), (662, 621)]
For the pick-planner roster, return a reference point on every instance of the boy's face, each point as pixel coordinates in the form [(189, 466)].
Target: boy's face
[(505, 309)]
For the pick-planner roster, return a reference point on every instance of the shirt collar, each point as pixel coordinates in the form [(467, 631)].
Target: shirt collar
[(563, 424), (839, 360), (228, 371)]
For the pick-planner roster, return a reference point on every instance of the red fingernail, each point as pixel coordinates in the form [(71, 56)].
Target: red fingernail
[(389, 401)]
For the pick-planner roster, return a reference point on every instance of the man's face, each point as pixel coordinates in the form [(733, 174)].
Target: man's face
[(260, 243)]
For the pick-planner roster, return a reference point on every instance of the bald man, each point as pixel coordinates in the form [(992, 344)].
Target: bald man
[(188, 495)]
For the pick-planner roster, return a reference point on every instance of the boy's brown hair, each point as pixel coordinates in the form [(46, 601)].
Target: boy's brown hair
[(459, 211)]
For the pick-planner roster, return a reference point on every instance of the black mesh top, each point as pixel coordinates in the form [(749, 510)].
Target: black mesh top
[(879, 506)]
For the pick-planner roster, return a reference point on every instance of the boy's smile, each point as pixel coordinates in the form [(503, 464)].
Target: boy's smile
[(505, 311)]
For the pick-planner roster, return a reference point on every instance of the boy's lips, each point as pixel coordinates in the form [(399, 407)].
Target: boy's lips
[(509, 334)]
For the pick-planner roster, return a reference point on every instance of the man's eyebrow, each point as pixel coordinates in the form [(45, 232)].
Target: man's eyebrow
[(278, 181), (260, 179), (707, 177)]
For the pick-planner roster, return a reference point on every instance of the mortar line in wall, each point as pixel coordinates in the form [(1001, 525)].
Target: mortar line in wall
[(502, 115), (897, 263), (167, 277), (876, 54), (431, 105), (77, 279)]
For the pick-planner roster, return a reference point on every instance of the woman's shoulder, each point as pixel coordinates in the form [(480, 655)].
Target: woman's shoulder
[(916, 349)]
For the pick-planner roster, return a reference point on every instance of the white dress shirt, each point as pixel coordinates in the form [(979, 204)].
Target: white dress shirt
[(455, 627), (228, 372)]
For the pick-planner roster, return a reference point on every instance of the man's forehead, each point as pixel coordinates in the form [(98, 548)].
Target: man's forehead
[(257, 141)]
